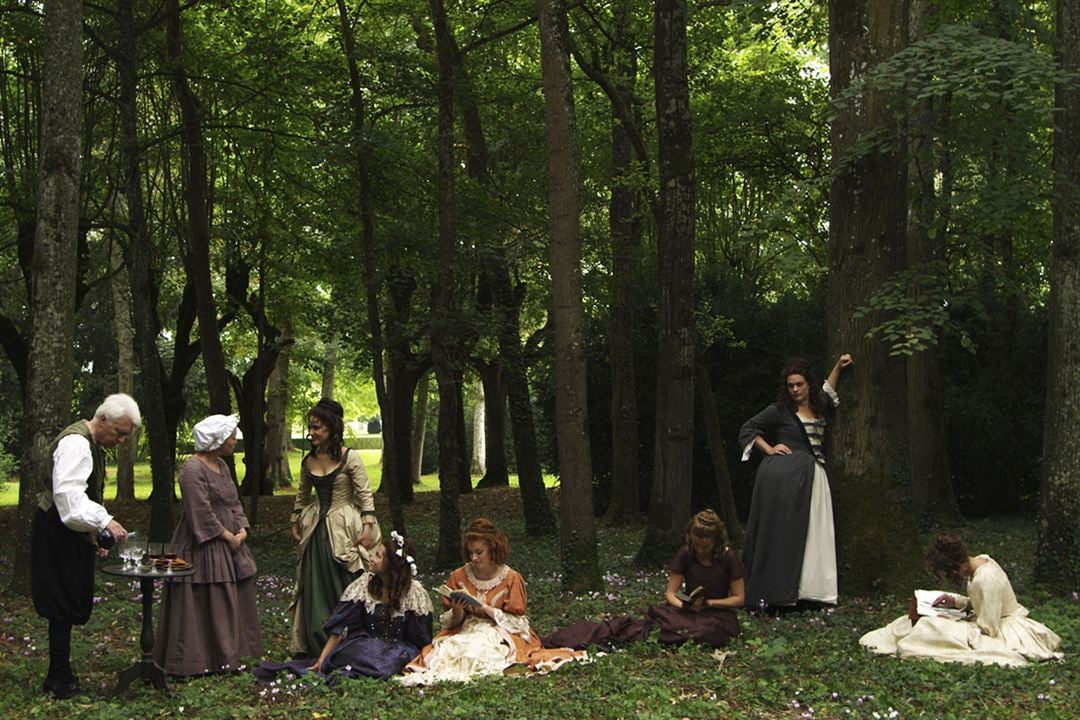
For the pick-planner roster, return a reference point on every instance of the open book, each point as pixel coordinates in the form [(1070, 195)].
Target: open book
[(924, 605), (690, 596), (458, 595)]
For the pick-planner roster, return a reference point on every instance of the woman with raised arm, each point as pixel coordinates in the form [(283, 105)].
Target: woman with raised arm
[(382, 621), (209, 621), (333, 526), (993, 629), (484, 628), (790, 552), (704, 589)]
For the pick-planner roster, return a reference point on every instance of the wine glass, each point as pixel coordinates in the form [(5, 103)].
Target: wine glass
[(137, 550), (169, 553), (153, 553), (123, 551)]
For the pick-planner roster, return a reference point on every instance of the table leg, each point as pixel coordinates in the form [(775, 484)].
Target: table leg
[(145, 667)]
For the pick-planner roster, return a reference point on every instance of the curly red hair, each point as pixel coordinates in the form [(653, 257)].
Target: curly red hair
[(485, 531)]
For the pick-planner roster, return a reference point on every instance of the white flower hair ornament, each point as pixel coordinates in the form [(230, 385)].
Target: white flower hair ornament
[(412, 564)]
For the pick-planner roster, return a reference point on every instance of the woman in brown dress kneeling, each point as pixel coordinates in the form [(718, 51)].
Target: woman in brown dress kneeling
[(707, 563), (209, 620)]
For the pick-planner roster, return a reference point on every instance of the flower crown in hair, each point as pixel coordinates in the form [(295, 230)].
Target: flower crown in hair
[(400, 552)]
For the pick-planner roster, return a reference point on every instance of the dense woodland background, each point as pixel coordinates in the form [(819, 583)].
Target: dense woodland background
[(613, 220)]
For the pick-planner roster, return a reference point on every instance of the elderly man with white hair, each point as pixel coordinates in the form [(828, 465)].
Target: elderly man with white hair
[(70, 528)]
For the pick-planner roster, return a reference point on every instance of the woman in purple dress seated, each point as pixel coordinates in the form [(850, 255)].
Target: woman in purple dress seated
[(707, 563), (380, 624)]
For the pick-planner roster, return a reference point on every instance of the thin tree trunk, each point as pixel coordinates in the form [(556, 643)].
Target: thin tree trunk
[(390, 479), (623, 209), (161, 434), (197, 204), (580, 564), (329, 366), (445, 346), (1058, 557), (539, 518), (50, 366), (495, 472), (125, 369), (669, 502), (479, 436), (278, 437), (419, 426), (876, 536), (718, 453)]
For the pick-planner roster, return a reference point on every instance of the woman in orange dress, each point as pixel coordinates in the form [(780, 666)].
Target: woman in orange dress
[(487, 637)]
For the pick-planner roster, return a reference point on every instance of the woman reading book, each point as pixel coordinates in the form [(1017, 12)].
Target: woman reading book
[(705, 586), (382, 621), (488, 632), (997, 630)]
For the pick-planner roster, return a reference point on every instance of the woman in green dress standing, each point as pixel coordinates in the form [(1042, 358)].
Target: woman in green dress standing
[(334, 524)]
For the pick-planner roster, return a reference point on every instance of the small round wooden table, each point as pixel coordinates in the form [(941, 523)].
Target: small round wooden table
[(145, 667)]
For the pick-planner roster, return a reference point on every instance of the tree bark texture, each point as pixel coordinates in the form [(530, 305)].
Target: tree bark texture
[(1058, 558), (669, 502), (876, 537), (580, 564), (493, 386), (50, 364)]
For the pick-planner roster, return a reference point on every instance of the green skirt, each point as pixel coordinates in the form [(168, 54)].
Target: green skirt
[(322, 580)]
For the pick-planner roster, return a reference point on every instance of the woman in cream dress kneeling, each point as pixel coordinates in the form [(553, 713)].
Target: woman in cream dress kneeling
[(997, 629)]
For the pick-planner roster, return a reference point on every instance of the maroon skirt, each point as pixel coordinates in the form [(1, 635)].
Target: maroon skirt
[(714, 626)]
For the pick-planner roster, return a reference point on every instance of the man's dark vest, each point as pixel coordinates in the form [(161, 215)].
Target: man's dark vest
[(95, 484)]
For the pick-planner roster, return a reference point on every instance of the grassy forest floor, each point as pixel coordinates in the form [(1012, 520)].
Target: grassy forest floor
[(807, 665)]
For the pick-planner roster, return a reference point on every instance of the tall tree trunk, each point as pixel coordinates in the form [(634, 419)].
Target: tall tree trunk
[(197, 204), (50, 366), (623, 209), (478, 463), (539, 518), (125, 369), (928, 456), (278, 435), (669, 502), (445, 348), (875, 533), (419, 427), (329, 366), (496, 472), (1058, 557), (161, 435), (391, 480), (580, 564), (506, 300), (718, 453)]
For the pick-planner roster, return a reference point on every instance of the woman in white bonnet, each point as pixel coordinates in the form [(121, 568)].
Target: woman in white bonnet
[(209, 621)]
